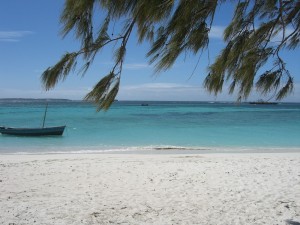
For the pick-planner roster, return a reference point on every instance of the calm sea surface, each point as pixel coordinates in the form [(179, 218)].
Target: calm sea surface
[(129, 126)]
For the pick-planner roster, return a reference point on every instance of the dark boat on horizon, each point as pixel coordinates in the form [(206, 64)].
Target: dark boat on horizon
[(38, 131)]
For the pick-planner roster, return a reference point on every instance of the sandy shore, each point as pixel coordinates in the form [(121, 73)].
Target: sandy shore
[(150, 189)]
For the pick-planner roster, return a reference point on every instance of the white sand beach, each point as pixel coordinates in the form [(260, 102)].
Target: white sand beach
[(150, 189)]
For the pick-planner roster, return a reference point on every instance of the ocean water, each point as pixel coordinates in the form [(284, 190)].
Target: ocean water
[(129, 126)]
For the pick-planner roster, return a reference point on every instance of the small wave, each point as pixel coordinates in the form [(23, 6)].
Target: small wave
[(64, 152), (176, 148), (140, 149), (104, 150)]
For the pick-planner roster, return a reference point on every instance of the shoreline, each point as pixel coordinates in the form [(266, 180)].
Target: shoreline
[(249, 188), (151, 150)]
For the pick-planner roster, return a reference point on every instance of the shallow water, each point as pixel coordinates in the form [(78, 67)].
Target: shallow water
[(159, 126)]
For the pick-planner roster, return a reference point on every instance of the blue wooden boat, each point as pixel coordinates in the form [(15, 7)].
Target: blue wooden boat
[(33, 131), (39, 131)]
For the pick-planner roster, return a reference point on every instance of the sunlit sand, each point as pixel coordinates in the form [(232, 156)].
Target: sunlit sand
[(150, 189)]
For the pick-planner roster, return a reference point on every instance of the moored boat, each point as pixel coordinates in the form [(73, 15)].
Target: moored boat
[(38, 131), (43, 131)]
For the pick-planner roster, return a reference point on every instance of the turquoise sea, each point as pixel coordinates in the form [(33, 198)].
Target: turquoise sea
[(129, 126)]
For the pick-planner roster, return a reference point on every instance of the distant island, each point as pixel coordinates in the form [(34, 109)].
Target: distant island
[(34, 100)]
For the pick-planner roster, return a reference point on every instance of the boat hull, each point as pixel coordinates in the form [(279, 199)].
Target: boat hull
[(32, 131)]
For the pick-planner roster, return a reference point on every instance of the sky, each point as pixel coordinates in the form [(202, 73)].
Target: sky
[(30, 42)]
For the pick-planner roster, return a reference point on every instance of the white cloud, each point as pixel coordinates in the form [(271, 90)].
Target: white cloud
[(13, 36), (8, 40), (186, 92), (129, 66), (163, 91), (74, 94), (278, 37), (136, 66), (146, 91), (216, 32), (157, 86)]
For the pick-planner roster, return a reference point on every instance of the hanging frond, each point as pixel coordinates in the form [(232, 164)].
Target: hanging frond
[(255, 37), (268, 81), (84, 68), (77, 15), (286, 89), (186, 30), (213, 82), (101, 88), (103, 36), (104, 92), (120, 54), (110, 97), (232, 87), (59, 71)]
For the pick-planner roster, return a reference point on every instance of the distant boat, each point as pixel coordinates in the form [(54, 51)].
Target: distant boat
[(144, 104), (42, 131)]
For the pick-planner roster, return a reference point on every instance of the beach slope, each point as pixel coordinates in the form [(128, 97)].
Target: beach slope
[(150, 189)]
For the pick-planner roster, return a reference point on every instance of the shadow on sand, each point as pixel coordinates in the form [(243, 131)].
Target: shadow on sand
[(291, 222)]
